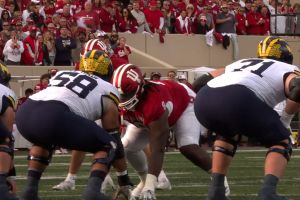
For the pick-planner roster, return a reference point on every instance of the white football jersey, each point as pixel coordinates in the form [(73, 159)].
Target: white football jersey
[(265, 77), (81, 92), (7, 92)]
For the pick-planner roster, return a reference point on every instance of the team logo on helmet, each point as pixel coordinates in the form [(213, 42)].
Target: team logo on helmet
[(133, 75)]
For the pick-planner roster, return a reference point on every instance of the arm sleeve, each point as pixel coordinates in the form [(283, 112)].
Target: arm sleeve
[(161, 23)]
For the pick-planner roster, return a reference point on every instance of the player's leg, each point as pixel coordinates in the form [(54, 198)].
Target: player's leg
[(223, 152), (187, 132), (6, 151), (84, 135), (38, 160), (134, 141), (120, 166), (100, 166), (275, 164), (75, 162)]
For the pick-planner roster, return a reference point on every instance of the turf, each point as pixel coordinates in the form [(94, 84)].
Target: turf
[(188, 181)]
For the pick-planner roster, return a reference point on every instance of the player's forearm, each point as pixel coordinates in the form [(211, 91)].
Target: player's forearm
[(156, 157), (155, 162)]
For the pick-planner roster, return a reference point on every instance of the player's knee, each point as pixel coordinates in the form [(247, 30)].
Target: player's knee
[(42, 159), (8, 150), (225, 145), (283, 148)]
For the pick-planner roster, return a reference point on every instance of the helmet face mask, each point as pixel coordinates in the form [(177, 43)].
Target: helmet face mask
[(129, 81), (275, 48), (128, 103)]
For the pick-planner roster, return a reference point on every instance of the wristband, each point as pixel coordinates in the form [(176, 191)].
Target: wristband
[(286, 118)]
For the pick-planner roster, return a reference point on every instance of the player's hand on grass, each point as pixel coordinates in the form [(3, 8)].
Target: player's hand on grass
[(147, 195)]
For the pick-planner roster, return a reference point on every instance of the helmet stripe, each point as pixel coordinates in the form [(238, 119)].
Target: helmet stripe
[(118, 76), (270, 46), (264, 45), (93, 53), (89, 44)]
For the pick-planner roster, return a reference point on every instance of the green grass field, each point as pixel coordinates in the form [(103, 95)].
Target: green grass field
[(188, 181)]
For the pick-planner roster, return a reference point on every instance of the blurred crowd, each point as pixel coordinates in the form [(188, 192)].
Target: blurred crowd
[(49, 32)]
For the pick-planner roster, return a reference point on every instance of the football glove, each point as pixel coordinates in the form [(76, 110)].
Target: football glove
[(147, 195), (124, 191)]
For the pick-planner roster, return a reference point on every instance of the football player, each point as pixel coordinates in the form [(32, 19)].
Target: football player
[(70, 105), (78, 156), (241, 100), (7, 115), (152, 108)]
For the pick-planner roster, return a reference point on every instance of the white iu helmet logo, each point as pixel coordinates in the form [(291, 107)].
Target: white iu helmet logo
[(133, 75)]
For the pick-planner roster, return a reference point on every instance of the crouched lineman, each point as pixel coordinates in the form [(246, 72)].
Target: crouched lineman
[(248, 90), (7, 116), (70, 105)]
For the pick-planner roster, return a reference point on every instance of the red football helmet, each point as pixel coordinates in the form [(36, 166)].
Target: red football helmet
[(93, 44), (129, 81)]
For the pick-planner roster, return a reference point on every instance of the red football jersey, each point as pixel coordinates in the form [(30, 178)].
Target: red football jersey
[(159, 96)]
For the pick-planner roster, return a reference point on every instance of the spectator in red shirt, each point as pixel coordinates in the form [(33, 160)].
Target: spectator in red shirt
[(255, 21), (87, 17), (154, 17), (49, 8), (248, 4), (265, 29), (107, 18), (199, 5), (177, 6), (241, 21), (29, 23), (127, 22), (22, 100), (24, 4), (30, 56), (182, 24), (122, 50), (66, 13), (97, 6), (43, 84)]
